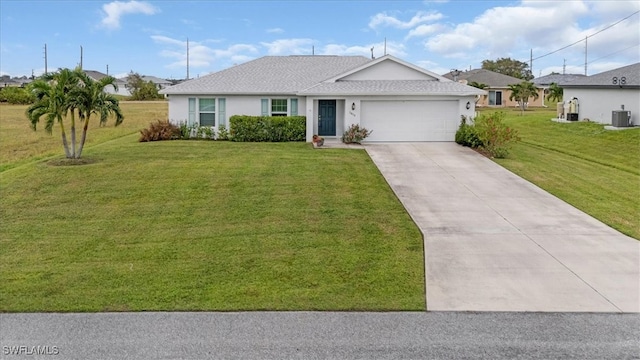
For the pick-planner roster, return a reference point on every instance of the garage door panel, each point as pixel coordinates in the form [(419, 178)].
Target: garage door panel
[(410, 120)]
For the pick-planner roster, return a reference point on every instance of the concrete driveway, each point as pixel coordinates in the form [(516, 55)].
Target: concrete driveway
[(495, 242)]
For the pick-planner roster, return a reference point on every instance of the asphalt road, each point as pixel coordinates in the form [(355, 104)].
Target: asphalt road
[(320, 335)]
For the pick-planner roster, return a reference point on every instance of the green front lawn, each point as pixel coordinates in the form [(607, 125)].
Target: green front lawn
[(196, 225), (593, 169)]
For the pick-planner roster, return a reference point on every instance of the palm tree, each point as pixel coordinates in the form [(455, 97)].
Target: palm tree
[(522, 92), (555, 93), (480, 86), (91, 98), (52, 97)]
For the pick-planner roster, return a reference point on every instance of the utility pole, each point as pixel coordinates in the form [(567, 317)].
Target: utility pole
[(564, 66), (187, 58), (45, 59), (585, 55), (107, 69), (81, 57), (531, 61), (385, 46)]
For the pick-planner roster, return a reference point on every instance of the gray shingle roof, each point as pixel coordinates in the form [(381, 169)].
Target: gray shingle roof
[(155, 80), (556, 78), (631, 74), (487, 77), (270, 74), (395, 87), (97, 75)]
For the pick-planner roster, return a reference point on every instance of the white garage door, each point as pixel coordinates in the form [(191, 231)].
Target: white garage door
[(410, 120)]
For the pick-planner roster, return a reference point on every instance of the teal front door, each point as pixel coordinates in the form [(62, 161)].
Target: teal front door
[(327, 117)]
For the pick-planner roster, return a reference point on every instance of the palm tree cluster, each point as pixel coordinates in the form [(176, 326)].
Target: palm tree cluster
[(67, 95)]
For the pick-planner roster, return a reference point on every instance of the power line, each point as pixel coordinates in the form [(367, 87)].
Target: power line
[(613, 53), (581, 40)]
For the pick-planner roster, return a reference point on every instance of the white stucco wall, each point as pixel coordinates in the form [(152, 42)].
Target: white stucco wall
[(597, 104), (345, 116), (235, 105)]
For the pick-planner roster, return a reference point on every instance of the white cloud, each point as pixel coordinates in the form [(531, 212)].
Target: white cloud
[(116, 9), (275, 31), (393, 48), (499, 30), (424, 30), (384, 19), (543, 26), (200, 55), (289, 46)]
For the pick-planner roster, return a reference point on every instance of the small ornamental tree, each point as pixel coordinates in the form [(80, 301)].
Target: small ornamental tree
[(522, 92)]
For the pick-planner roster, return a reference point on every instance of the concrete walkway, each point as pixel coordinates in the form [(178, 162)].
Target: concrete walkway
[(495, 242)]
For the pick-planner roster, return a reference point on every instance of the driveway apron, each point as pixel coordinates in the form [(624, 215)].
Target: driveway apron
[(495, 242)]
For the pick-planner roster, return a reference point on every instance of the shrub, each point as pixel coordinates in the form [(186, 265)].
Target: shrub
[(355, 134), (494, 135), (16, 96), (223, 133), (205, 132), (160, 130), (267, 128), (466, 134), (185, 130)]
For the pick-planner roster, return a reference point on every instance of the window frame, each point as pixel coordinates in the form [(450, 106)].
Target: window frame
[(495, 98), (206, 111), (279, 102)]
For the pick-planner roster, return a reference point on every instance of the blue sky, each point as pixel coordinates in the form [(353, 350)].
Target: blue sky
[(150, 37)]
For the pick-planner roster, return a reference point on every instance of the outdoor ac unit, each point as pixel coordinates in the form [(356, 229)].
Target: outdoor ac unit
[(620, 118)]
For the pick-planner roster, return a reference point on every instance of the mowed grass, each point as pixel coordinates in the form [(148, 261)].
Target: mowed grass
[(593, 169), (19, 144), (198, 225)]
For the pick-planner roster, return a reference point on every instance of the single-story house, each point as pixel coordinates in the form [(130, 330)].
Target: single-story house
[(158, 82), (122, 88), (545, 82), (600, 94), (397, 100), (497, 86)]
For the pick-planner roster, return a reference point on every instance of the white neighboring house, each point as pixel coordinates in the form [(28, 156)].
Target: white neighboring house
[(399, 101), (159, 83), (122, 89), (600, 94)]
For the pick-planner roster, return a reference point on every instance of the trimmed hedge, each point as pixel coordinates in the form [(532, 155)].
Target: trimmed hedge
[(246, 128)]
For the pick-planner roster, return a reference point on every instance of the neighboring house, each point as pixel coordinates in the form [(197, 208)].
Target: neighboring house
[(7, 81), (160, 83), (601, 94), (397, 100), (122, 89), (545, 82), (497, 87)]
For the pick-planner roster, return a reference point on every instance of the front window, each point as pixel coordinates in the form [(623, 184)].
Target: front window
[(495, 97), (278, 107), (207, 112)]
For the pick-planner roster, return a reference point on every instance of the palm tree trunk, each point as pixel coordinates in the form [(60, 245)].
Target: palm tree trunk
[(73, 134), (64, 141), (84, 136)]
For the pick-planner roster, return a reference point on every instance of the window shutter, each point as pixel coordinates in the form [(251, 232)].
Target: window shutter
[(294, 107), (192, 112), (265, 107), (222, 111)]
